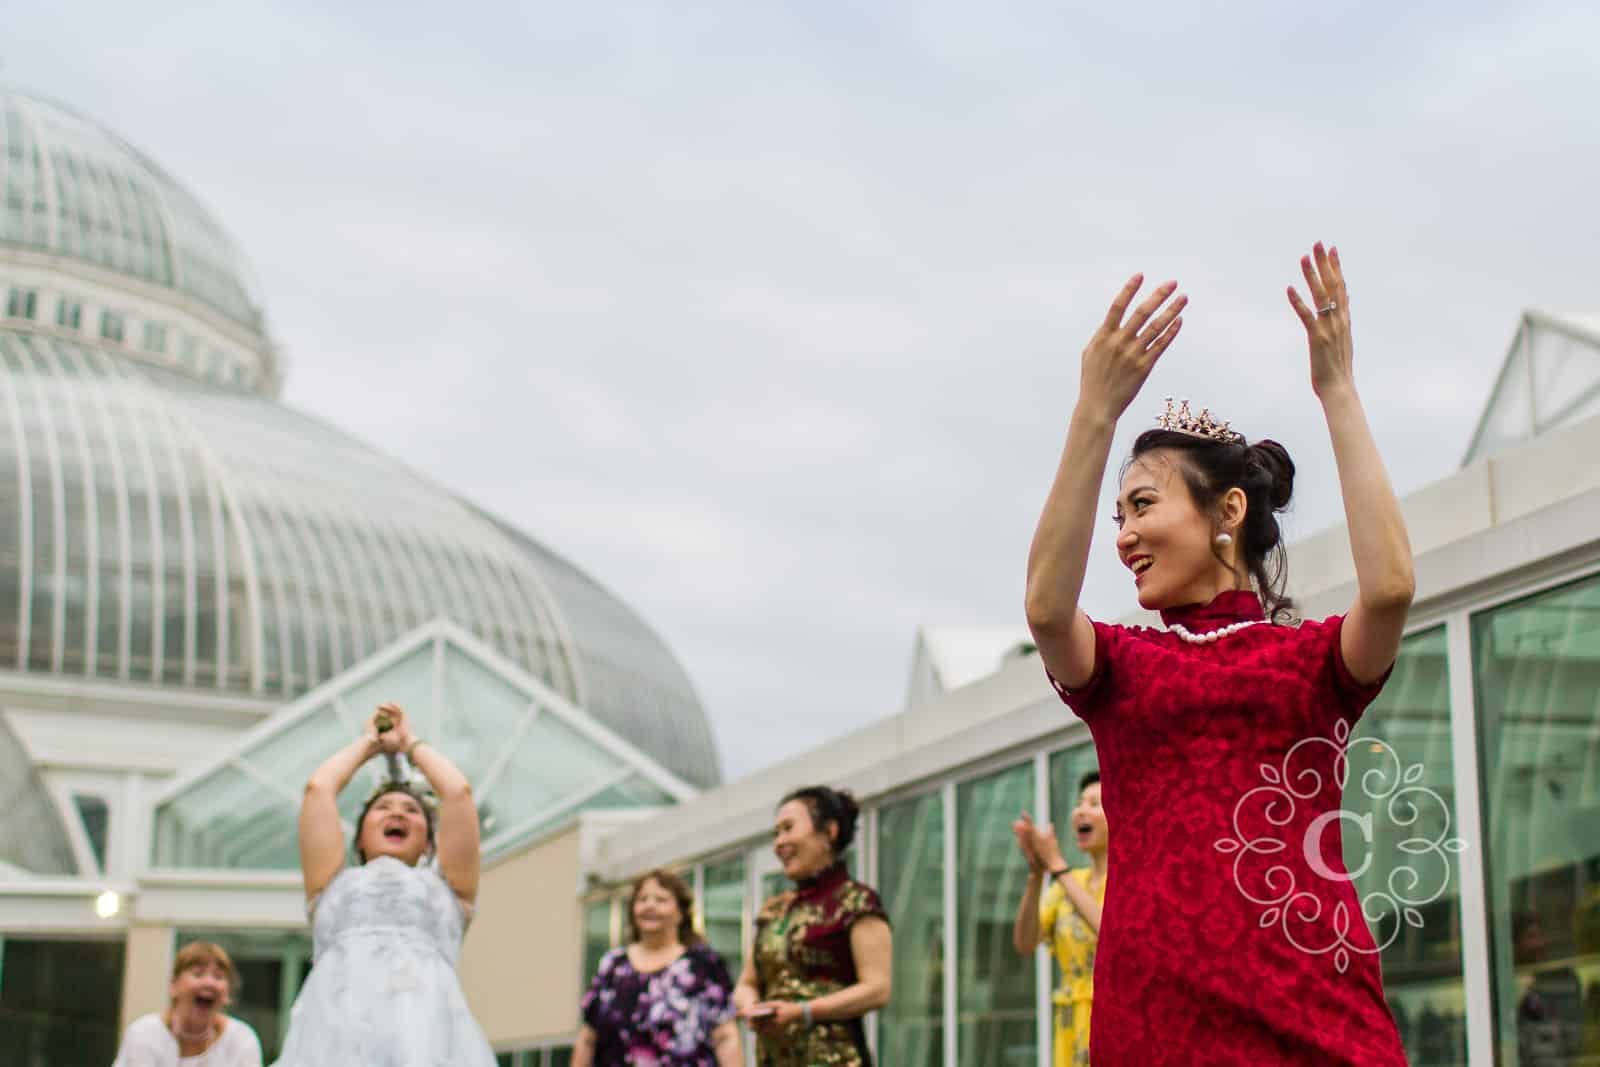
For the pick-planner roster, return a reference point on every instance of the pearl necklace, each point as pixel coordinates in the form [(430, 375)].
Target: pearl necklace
[(1214, 635)]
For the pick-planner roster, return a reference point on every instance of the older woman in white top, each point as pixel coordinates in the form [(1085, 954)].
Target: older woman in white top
[(195, 1030)]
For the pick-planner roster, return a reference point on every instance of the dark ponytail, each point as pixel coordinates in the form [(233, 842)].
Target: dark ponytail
[(826, 806), (1265, 474)]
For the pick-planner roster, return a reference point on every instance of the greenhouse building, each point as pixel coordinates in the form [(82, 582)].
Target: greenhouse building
[(203, 592)]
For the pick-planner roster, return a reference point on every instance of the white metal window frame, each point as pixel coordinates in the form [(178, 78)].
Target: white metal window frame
[(542, 700)]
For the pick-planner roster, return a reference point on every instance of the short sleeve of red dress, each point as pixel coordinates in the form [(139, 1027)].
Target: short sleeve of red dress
[(1094, 693), (1322, 644)]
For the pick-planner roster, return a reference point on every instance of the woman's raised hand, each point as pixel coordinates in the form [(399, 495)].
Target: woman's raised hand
[(1023, 829), (1047, 848), (1328, 326), (1122, 352), (396, 735)]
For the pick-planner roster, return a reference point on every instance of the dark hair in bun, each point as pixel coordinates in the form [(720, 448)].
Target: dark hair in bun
[(827, 805), (1265, 473)]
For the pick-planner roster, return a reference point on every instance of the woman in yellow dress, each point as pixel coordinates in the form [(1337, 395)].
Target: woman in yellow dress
[(1068, 917)]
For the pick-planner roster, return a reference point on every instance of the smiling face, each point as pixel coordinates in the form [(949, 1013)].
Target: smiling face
[(200, 989), (803, 849), (656, 911), (1089, 820), (1166, 541), (395, 825)]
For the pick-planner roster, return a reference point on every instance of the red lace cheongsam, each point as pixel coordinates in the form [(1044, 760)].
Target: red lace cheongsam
[(1231, 932)]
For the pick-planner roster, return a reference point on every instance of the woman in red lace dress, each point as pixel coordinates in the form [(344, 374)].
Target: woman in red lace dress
[(1232, 933)]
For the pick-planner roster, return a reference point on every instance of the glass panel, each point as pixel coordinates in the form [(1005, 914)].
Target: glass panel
[(96, 818), (911, 880), (1067, 769), (773, 883), (722, 905), (1536, 673), (551, 764), (59, 1002), (561, 1057), (1510, 414), (994, 990), (1409, 727), (227, 819), (290, 756), (32, 836), (596, 936), (506, 1059), (1564, 369), (479, 714)]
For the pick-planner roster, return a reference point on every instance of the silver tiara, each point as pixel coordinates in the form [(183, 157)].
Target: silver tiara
[(1204, 425)]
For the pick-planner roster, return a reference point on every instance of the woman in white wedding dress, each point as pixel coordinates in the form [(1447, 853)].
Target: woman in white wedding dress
[(383, 990)]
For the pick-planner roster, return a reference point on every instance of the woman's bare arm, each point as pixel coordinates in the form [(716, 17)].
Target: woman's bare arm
[(1025, 929), (725, 1045), (1116, 362), (1379, 546), (321, 834), (872, 948), (583, 1048)]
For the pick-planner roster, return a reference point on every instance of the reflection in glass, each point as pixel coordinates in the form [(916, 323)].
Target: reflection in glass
[(911, 882), (96, 818), (1401, 780), (722, 906), (1536, 673), (994, 995), (1067, 769), (596, 936)]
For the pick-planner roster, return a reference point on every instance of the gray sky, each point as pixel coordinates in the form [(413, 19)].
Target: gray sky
[(769, 317)]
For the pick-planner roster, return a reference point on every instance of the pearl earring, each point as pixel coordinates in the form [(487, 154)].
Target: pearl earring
[(1223, 540)]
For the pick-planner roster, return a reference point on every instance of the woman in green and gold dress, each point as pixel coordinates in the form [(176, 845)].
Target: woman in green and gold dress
[(822, 950)]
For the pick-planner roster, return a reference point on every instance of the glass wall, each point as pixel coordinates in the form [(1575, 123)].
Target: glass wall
[(59, 1002), (722, 911), (1535, 667), (597, 935), (1536, 674), (1401, 784), (911, 882), (1067, 769), (995, 1003)]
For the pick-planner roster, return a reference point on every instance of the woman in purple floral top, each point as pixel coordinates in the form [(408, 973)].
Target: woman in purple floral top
[(664, 1000)]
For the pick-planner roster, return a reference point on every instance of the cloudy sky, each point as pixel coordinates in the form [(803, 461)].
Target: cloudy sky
[(769, 316)]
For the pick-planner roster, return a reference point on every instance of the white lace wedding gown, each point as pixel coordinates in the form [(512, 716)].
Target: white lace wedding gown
[(383, 990)]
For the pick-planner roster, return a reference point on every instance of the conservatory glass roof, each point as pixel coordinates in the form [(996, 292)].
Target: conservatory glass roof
[(1551, 377), (533, 758)]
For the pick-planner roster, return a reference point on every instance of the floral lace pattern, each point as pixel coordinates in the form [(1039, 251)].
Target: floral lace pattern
[(663, 1018), (1185, 973), (383, 990)]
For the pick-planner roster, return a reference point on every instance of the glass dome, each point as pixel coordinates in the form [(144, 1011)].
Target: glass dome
[(72, 188), (159, 530), (164, 521)]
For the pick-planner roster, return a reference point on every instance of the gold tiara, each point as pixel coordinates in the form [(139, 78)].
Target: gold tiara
[(1178, 420)]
